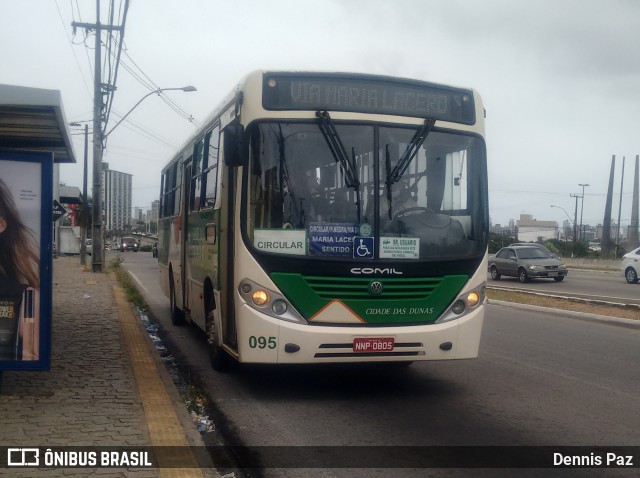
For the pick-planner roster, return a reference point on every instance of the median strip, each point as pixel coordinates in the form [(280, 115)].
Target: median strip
[(575, 304)]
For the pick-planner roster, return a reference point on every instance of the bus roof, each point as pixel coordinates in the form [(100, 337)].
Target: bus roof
[(306, 90)]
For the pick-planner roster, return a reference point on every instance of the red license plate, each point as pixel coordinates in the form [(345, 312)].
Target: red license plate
[(373, 344)]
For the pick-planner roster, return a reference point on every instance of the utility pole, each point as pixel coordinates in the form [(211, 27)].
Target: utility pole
[(85, 208), (97, 248), (575, 219), (582, 234), (84, 212)]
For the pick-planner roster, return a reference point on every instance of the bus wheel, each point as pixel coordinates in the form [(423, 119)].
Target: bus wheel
[(177, 316), (220, 360)]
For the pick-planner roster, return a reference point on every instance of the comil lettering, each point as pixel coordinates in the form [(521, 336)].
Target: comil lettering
[(376, 270)]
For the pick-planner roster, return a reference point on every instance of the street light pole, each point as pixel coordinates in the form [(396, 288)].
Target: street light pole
[(582, 210), (158, 91), (565, 212), (85, 209), (98, 145)]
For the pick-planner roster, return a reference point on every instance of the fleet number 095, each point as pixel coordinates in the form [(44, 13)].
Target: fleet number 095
[(262, 342)]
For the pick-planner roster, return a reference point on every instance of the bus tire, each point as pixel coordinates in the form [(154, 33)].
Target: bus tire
[(177, 316), (219, 358)]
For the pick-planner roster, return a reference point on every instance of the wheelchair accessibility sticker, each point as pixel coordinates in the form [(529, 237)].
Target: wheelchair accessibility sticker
[(363, 247)]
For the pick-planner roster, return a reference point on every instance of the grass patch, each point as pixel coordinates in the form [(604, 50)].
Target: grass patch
[(576, 305), (125, 281)]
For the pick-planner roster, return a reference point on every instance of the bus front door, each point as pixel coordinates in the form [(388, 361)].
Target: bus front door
[(227, 235)]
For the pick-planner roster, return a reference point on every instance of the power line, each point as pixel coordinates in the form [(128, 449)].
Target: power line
[(72, 50), (119, 44)]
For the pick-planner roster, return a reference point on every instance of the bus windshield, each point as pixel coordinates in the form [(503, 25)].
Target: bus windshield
[(351, 191)]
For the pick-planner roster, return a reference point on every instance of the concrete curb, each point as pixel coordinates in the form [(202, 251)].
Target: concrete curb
[(154, 378), (619, 321)]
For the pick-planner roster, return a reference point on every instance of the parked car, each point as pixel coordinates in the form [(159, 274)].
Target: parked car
[(539, 246), (631, 266), (88, 246), (526, 262), (128, 243)]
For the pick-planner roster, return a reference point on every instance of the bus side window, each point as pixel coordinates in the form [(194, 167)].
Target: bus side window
[(163, 182), (196, 176), (210, 174), (176, 182)]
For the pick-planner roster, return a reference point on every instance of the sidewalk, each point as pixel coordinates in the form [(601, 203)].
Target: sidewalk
[(106, 386)]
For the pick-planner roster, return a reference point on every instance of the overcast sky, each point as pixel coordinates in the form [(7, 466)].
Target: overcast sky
[(560, 80)]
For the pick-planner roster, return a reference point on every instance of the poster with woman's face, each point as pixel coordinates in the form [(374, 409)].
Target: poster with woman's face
[(21, 199)]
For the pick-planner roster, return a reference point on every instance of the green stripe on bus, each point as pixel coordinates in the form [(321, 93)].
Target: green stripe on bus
[(402, 301)]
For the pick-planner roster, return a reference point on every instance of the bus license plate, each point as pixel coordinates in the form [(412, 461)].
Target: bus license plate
[(373, 344)]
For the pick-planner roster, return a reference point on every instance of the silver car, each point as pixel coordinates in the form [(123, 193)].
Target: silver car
[(526, 262)]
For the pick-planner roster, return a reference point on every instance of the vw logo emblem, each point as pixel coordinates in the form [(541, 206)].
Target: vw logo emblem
[(376, 287)]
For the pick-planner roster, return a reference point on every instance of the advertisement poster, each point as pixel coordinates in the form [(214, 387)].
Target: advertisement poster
[(25, 260)]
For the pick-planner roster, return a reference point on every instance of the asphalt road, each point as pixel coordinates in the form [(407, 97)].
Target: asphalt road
[(596, 285), (540, 380)]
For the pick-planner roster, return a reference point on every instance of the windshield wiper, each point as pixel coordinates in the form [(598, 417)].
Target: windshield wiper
[(412, 149), (284, 179), (337, 148), (339, 153)]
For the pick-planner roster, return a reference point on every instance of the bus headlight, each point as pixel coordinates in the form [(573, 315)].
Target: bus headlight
[(268, 302), (279, 307), (464, 304), (260, 297), (458, 307), (473, 299)]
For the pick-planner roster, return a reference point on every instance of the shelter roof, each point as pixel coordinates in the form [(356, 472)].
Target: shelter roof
[(32, 119)]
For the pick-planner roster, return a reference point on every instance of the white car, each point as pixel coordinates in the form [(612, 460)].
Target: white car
[(631, 266)]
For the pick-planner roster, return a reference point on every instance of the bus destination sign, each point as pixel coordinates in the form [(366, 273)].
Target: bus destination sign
[(368, 94)]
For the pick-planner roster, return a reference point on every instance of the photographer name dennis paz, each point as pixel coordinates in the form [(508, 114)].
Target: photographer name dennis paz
[(609, 459)]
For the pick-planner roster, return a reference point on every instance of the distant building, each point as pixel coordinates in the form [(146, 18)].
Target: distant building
[(155, 206), (532, 230), (138, 214), (116, 199)]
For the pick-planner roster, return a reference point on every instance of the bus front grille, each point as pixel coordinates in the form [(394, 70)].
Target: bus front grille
[(359, 288)]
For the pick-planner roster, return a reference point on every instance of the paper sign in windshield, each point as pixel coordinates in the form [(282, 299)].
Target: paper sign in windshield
[(400, 247), (332, 239), (281, 241)]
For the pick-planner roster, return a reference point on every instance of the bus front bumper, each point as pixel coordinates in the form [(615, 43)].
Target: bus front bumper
[(263, 339)]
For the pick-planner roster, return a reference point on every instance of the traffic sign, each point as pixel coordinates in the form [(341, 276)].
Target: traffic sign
[(58, 210)]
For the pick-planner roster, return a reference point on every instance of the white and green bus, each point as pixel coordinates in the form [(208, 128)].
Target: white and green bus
[(330, 217)]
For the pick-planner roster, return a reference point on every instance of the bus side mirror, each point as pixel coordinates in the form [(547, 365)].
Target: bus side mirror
[(234, 145)]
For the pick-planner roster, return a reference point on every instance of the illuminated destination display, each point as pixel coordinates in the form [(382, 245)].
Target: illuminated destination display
[(367, 94)]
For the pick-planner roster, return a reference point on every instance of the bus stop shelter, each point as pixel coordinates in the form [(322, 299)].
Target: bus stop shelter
[(32, 119), (34, 140)]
